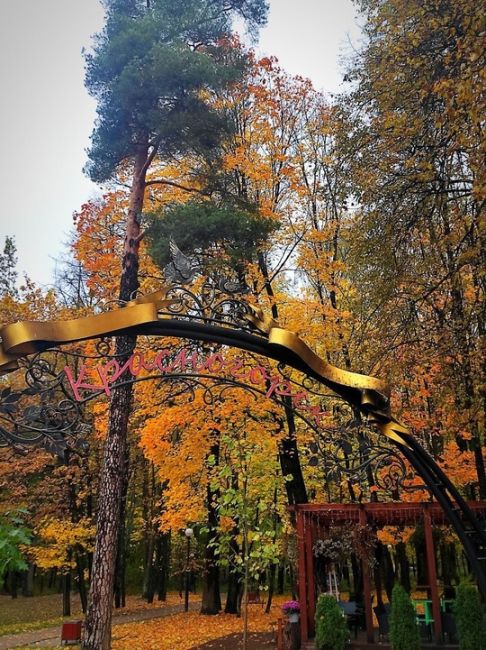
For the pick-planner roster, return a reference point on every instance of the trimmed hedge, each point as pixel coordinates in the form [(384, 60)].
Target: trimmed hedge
[(404, 633), (469, 618), (331, 628)]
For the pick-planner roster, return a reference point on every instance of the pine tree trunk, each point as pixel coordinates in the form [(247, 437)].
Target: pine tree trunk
[(234, 586), (148, 494), (121, 556), (98, 618), (466, 394)]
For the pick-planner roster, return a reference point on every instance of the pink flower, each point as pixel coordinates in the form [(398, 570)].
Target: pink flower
[(291, 606)]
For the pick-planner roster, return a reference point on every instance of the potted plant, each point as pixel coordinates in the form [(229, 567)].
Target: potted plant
[(291, 609)]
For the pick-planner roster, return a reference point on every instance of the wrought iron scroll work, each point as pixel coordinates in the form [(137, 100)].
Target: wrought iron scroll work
[(58, 423), (224, 324), (209, 306), (43, 413)]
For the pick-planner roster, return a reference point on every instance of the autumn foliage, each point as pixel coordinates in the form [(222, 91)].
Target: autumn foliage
[(375, 257)]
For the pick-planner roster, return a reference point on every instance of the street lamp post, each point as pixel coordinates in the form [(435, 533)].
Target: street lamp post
[(189, 533)]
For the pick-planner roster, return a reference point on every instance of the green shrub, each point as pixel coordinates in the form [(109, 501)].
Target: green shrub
[(404, 634), (469, 618), (331, 629)]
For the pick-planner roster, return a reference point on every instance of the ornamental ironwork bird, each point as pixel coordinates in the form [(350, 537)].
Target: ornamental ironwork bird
[(182, 269)]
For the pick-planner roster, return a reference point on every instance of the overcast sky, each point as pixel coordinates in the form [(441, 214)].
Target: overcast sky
[(47, 116)]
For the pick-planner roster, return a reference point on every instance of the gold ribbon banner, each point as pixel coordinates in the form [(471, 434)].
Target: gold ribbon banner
[(24, 338), (369, 394)]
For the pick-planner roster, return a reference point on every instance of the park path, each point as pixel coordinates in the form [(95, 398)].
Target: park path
[(51, 636)]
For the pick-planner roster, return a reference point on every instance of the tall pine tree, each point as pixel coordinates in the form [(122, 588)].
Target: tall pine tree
[(147, 70)]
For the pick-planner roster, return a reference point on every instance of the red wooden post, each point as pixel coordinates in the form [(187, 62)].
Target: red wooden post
[(367, 587), (280, 634), (432, 574), (304, 627), (311, 593)]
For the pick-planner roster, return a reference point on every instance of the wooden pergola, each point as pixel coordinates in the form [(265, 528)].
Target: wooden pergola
[(311, 518)]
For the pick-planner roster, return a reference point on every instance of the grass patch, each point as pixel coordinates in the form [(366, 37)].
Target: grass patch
[(20, 614), (24, 614), (29, 626)]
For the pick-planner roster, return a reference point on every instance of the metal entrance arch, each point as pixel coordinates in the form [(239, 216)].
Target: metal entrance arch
[(214, 316)]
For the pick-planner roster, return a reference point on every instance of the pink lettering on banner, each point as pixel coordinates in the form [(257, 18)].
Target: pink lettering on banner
[(78, 384), (161, 355), (182, 361), (136, 363), (235, 367), (280, 387), (258, 375), (214, 363), (188, 360), (109, 373)]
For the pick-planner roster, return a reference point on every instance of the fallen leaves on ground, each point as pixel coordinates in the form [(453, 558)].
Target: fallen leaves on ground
[(184, 631), (137, 603)]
